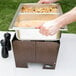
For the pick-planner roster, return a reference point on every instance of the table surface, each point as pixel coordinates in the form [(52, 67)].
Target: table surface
[(66, 62)]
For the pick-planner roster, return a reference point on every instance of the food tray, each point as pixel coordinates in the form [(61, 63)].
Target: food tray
[(31, 15)]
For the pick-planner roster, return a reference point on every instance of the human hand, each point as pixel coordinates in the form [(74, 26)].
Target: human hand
[(49, 28), (44, 1), (47, 1)]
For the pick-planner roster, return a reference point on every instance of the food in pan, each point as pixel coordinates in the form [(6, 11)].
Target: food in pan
[(45, 9), (33, 20), (24, 9), (29, 20)]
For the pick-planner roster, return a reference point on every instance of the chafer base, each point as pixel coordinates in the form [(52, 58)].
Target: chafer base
[(43, 52)]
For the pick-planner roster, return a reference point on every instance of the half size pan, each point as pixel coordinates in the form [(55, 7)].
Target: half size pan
[(31, 15)]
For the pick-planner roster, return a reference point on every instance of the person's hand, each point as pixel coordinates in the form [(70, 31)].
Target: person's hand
[(46, 1), (49, 28)]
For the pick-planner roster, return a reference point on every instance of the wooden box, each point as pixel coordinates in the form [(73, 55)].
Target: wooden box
[(43, 52)]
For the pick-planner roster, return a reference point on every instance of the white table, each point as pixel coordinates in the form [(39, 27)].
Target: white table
[(66, 62)]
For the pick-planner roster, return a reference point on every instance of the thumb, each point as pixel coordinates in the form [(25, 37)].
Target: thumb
[(38, 27), (44, 2), (40, 1)]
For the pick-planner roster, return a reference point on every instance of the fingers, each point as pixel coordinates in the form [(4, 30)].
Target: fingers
[(44, 31), (44, 2), (38, 27), (48, 31), (53, 30), (40, 1)]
